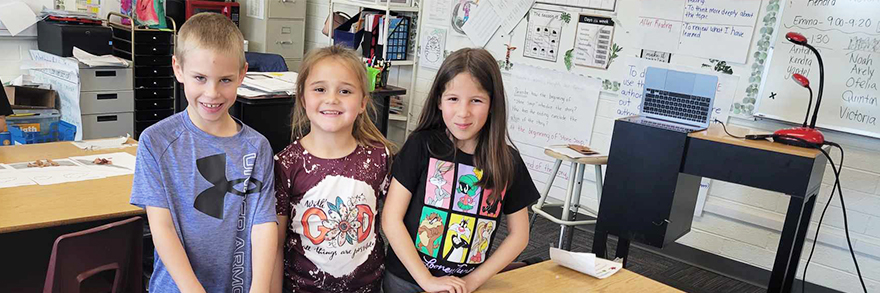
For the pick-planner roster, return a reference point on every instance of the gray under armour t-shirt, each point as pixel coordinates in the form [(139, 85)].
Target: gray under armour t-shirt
[(216, 188)]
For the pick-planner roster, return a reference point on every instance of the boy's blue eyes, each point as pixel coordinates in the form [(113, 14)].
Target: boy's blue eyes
[(203, 79)]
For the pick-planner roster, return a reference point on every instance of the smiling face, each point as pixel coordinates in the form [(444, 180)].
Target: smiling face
[(333, 97), (465, 107), (210, 81)]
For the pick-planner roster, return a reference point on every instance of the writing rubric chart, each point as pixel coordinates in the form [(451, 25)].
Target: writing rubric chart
[(716, 29)]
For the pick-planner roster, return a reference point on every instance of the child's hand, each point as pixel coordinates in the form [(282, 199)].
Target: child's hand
[(471, 283), (444, 284)]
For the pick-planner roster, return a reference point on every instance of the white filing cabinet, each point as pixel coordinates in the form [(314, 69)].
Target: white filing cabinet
[(106, 101), (275, 26)]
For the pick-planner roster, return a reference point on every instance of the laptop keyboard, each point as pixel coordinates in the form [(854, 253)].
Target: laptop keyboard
[(676, 105), (666, 125)]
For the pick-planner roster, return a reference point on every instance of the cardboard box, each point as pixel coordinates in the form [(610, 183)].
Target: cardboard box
[(30, 98)]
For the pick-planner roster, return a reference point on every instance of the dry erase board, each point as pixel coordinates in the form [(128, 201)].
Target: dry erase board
[(847, 35)]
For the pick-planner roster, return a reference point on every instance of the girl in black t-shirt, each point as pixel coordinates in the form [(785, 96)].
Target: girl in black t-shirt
[(452, 180)]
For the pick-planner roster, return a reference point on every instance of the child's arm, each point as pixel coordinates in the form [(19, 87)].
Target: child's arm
[(264, 231), (510, 248), (171, 251), (263, 251), (396, 204), (278, 271)]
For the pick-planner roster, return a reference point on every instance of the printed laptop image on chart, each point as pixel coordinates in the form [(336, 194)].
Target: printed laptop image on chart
[(676, 100)]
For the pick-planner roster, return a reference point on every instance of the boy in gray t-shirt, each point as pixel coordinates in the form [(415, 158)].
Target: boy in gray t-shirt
[(206, 179)]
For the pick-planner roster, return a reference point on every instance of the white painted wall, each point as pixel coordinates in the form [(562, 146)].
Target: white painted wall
[(12, 51)]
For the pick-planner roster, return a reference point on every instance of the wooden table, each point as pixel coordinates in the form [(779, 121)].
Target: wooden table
[(41, 206), (32, 217), (547, 276)]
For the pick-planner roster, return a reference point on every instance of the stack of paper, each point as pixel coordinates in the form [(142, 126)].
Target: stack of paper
[(94, 61), (66, 13), (105, 143), (257, 84), (586, 263)]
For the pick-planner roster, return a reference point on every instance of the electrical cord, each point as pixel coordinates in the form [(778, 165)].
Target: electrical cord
[(837, 186), (725, 129)]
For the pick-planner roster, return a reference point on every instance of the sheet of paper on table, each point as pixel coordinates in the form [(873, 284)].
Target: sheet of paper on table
[(586, 263)]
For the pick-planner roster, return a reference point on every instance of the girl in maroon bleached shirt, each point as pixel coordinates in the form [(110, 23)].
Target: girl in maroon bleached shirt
[(329, 181)]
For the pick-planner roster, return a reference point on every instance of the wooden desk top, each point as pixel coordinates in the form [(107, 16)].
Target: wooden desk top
[(40, 206), (593, 160), (715, 132), (547, 276), (387, 91)]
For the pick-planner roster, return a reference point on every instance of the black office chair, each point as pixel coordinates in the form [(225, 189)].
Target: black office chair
[(265, 62)]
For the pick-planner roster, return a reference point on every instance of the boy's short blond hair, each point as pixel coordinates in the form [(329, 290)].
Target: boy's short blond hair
[(211, 31)]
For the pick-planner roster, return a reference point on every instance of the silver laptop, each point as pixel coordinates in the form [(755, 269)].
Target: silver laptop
[(676, 100)]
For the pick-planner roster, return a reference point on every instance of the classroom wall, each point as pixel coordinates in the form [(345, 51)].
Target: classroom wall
[(15, 49)]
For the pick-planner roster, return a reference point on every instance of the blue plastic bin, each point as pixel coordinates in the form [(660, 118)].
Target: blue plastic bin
[(5, 138), (58, 131)]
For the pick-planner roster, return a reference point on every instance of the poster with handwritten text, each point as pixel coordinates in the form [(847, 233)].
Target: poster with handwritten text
[(716, 29), (547, 107)]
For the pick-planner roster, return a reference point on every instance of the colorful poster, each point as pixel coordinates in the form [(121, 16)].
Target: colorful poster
[(430, 233), (458, 238)]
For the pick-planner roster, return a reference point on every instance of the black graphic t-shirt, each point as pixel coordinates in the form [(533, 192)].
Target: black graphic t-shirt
[(451, 220)]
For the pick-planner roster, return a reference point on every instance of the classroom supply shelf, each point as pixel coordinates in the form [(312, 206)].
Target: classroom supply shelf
[(150, 51), (406, 59)]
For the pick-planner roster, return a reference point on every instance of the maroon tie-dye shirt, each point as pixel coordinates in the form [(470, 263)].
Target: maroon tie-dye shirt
[(333, 242)]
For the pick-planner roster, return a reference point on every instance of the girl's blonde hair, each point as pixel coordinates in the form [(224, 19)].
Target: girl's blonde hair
[(364, 131)]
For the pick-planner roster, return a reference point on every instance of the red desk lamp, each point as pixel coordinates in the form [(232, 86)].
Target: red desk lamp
[(806, 134)]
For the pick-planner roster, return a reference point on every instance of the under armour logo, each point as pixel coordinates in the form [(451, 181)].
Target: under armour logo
[(213, 169)]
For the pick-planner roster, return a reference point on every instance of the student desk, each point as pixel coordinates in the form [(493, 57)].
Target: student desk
[(31, 217), (547, 276), (653, 177), (41, 206), (382, 101)]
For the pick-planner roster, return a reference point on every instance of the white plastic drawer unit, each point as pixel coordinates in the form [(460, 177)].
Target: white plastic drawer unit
[(107, 125), (286, 8), (105, 79), (285, 37), (106, 102)]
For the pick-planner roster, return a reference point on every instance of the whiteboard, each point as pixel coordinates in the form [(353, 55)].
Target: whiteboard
[(847, 35)]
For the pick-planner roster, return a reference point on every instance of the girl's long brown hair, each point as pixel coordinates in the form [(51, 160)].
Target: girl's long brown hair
[(493, 154), (364, 131)]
